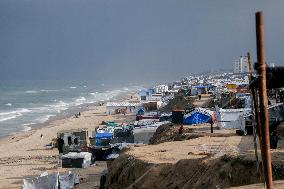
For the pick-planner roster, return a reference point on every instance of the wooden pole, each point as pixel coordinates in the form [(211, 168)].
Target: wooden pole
[(263, 101)]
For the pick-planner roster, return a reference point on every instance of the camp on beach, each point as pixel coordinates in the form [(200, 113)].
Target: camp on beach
[(128, 94)]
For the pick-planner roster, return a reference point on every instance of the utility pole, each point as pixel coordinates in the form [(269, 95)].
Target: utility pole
[(263, 101)]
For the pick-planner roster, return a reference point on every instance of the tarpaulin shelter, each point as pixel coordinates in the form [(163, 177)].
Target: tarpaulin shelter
[(141, 111), (111, 123), (103, 139), (232, 118), (73, 140), (68, 180), (122, 107), (197, 116), (199, 89), (52, 181), (76, 160), (47, 181)]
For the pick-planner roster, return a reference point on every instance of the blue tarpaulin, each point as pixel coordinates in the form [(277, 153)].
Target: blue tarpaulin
[(103, 138), (103, 135), (141, 111), (196, 118)]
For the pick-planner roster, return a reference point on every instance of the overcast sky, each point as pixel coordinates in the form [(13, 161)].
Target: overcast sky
[(131, 40)]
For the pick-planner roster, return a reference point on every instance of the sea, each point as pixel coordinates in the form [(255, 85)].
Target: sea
[(27, 104)]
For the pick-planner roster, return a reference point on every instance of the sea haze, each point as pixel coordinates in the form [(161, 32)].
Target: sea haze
[(27, 103)]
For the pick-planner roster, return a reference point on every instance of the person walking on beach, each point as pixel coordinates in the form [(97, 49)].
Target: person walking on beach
[(199, 96), (60, 144), (211, 123), (180, 130)]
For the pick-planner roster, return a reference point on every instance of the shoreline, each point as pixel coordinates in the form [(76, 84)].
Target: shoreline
[(68, 113), (63, 113)]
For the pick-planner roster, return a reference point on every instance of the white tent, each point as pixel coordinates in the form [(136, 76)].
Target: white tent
[(232, 118)]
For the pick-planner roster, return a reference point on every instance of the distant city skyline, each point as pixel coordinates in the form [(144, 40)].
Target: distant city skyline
[(119, 41)]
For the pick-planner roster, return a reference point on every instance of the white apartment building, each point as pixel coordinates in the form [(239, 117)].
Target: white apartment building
[(161, 88), (241, 65)]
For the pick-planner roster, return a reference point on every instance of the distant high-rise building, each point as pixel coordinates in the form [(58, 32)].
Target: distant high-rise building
[(272, 65), (241, 65)]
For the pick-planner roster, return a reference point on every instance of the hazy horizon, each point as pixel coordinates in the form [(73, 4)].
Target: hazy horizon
[(130, 40)]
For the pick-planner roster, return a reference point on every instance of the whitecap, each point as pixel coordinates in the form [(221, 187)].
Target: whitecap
[(4, 116), (58, 107), (80, 99), (48, 90), (8, 118), (43, 119), (26, 127), (31, 92), (8, 104), (72, 87)]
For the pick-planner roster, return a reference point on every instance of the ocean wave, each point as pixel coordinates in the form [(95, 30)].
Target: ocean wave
[(80, 99), (4, 116), (72, 87), (8, 104), (94, 94), (31, 92), (59, 106), (27, 128), (50, 90), (43, 118), (56, 107)]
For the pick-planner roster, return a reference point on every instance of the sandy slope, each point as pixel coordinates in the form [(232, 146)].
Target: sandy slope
[(219, 160)]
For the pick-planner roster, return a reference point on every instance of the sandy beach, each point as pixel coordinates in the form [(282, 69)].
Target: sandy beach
[(23, 155)]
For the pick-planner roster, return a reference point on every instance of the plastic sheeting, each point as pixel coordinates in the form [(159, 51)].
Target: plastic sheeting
[(232, 118), (197, 116), (77, 160), (103, 139), (103, 135), (45, 182), (52, 181), (68, 180)]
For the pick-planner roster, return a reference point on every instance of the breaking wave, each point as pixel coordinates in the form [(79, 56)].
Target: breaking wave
[(4, 116)]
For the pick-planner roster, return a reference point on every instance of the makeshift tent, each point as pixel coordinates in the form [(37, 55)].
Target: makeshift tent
[(111, 123), (68, 180), (47, 181), (232, 118), (122, 107), (103, 139), (52, 181), (73, 140), (141, 111), (76, 160), (197, 116)]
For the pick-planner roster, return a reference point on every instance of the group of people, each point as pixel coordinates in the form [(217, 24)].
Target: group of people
[(77, 115)]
